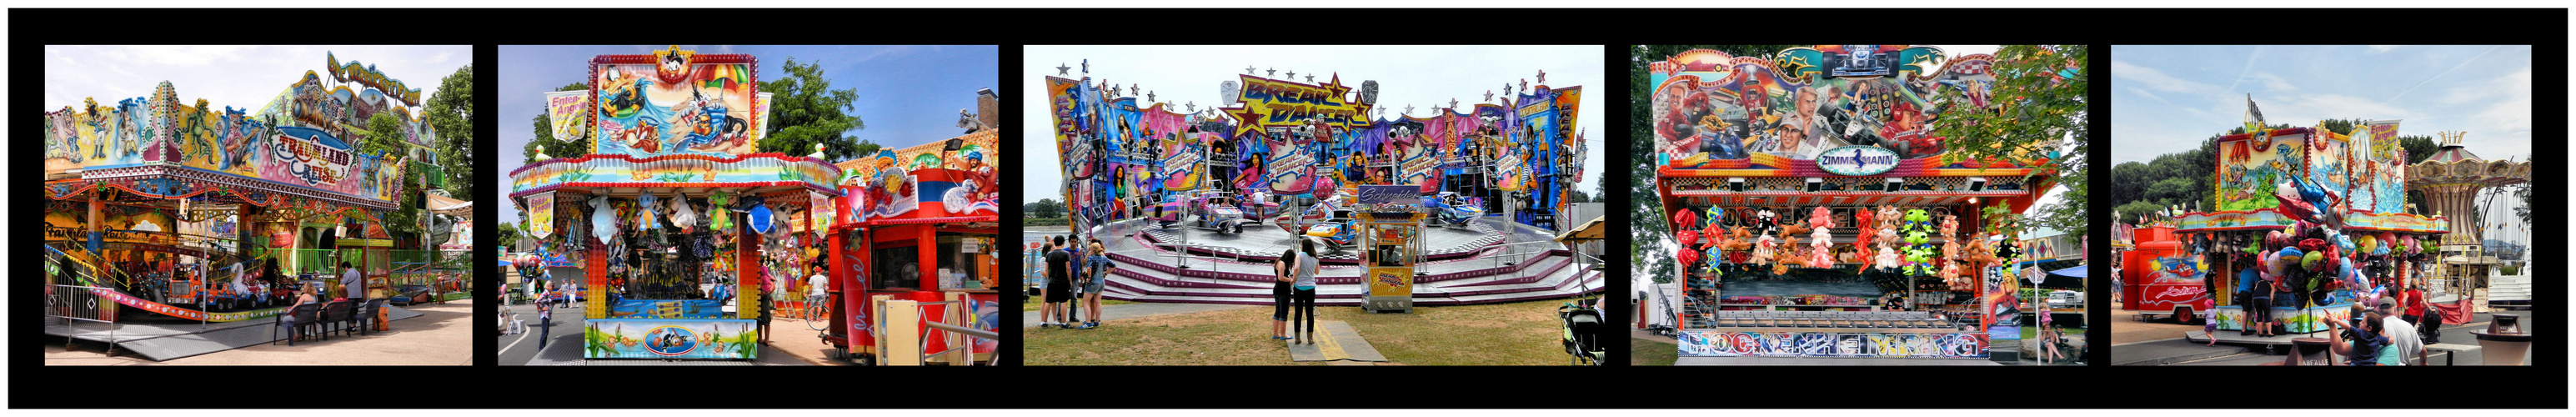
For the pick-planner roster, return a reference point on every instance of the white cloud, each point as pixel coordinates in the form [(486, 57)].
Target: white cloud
[(2274, 82), (2381, 48), (2156, 80), (2150, 95)]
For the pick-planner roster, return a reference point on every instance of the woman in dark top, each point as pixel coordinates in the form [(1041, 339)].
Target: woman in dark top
[(1284, 272)]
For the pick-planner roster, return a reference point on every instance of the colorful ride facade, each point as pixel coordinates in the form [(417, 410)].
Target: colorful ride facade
[(1305, 158), (259, 185), (1835, 145)]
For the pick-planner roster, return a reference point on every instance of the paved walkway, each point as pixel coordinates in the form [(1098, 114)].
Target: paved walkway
[(2178, 351), (442, 335), (1139, 310)]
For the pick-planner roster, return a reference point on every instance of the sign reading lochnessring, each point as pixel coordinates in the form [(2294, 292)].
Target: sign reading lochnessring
[(1856, 161)]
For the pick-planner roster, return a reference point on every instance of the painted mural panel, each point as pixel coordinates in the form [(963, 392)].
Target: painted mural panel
[(2379, 169), (2249, 170), (1804, 344), (675, 102), (670, 339), (1711, 106)]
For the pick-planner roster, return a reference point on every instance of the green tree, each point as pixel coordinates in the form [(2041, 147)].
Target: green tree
[(450, 113), (1045, 209), (2042, 111), (805, 110), (546, 140), (508, 235), (1647, 216), (384, 137)]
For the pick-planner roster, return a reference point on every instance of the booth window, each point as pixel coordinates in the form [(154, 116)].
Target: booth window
[(896, 267), (957, 269)]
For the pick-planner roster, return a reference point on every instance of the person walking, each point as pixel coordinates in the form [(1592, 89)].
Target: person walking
[(1096, 282), (1284, 276), (545, 325), (1059, 284), (1303, 290), (2420, 312)]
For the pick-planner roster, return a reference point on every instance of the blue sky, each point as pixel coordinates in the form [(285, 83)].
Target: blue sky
[(1419, 76), (908, 95), (2166, 99), (228, 75)]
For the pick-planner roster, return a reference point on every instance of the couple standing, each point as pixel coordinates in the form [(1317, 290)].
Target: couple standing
[(1295, 284)]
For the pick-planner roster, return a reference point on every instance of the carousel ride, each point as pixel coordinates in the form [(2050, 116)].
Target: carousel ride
[(1195, 204)]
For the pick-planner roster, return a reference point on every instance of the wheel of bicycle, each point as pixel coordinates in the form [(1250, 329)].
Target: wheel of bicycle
[(814, 318)]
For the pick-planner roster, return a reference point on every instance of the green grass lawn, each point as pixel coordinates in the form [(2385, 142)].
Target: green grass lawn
[(1523, 333), (1642, 352)]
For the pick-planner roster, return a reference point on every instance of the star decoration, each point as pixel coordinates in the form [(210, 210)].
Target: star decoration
[(1292, 74), (1247, 70), (1061, 69), (1489, 95), (1542, 76), (1192, 106), (1381, 112), (1086, 66), (1132, 89), (1310, 78), (1408, 110), (1453, 103), (1149, 96), (1524, 84), (1274, 72)]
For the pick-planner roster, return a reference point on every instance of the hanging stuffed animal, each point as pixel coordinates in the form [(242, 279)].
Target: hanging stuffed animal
[(644, 212), (1790, 252), (682, 216), (1865, 223), (1791, 229), (1685, 219), (1765, 221), (603, 219), (1762, 249), (1887, 259), (720, 212), (1689, 239)]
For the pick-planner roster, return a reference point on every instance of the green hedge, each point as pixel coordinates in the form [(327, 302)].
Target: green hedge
[(1044, 221)]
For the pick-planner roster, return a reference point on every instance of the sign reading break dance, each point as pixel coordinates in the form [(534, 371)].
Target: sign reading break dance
[(1267, 103)]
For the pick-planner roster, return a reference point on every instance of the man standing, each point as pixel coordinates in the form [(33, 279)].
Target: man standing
[(1059, 285), (545, 324), (356, 282), (2410, 349), (814, 287), (2428, 322)]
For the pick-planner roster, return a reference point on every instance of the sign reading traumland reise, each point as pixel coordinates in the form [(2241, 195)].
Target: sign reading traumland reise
[(161, 129), (676, 102), (1709, 106)]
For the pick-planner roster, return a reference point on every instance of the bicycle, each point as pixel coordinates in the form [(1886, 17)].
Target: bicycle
[(815, 311)]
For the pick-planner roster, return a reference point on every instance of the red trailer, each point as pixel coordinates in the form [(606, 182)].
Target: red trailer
[(2158, 277), (925, 230)]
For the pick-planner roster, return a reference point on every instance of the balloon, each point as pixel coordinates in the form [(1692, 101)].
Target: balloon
[(1687, 238), (2313, 261), (1688, 257)]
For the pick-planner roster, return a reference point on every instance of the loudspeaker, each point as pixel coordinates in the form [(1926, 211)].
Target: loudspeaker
[(1736, 184), (1976, 184), (1895, 184), (1815, 184)]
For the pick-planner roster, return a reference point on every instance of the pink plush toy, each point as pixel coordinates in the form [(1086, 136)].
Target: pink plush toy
[(1820, 219)]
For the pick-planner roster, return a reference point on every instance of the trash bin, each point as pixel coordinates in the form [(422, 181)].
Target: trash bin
[(2504, 341)]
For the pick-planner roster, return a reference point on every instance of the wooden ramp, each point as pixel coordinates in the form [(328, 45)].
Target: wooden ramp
[(1336, 342)]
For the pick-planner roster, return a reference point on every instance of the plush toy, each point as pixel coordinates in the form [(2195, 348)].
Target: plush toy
[(1685, 219), (1865, 221), (1820, 218), (1950, 273), (1762, 249), (1787, 229), (1887, 258), (1688, 238), (1765, 220), (1821, 253), (1790, 252), (1688, 258)]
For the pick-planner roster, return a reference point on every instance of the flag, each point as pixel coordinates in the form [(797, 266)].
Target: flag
[(2253, 117)]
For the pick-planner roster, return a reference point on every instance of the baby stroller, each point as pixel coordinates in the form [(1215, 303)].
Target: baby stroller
[(1582, 331)]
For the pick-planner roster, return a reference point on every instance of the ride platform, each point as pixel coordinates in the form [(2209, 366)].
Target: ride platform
[(163, 339), (1493, 261)]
